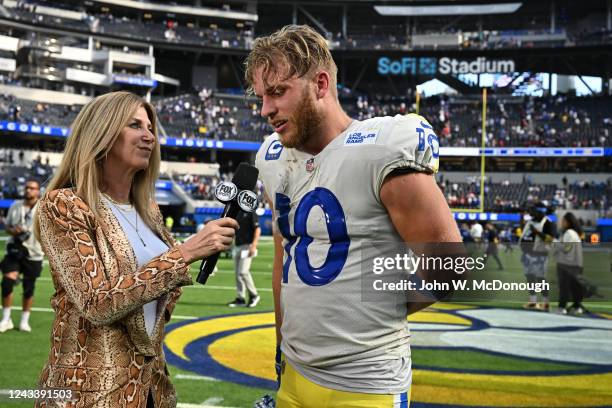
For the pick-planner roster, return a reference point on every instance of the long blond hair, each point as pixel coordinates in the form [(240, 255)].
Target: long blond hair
[(93, 134)]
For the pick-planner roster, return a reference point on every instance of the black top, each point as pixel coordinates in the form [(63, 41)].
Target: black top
[(492, 236), (529, 238), (248, 224)]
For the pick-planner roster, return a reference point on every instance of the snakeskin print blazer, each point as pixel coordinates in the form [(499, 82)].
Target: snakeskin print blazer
[(99, 345)]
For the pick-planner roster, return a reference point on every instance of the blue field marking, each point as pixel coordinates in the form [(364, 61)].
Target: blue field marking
[(201, 362)]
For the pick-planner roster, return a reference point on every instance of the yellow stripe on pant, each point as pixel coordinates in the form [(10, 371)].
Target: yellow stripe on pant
[(297, 391)]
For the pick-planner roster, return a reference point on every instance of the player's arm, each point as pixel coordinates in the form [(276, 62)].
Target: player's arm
[(419, 213)]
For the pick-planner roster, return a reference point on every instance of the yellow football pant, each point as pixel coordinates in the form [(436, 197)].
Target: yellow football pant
[(296, 391)]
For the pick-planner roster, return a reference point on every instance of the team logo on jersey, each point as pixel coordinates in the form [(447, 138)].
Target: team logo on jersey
[(361, 138), (274, 150), (310, 164)]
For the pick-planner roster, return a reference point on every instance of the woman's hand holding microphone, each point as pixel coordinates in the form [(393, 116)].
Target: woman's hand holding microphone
[(216, 236)]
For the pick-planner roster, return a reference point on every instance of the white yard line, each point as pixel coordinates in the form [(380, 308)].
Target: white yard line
[(49, 310), (181, 317), (222, 288), (194, 377)]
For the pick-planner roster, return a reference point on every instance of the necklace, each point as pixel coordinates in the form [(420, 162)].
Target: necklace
[(109, 198), (122, 211)]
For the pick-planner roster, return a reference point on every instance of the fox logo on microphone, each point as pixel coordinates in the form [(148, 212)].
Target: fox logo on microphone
[(247, 200), (226, 191)]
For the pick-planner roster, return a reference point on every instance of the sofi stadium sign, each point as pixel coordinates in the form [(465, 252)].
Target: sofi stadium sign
[(445, 66)]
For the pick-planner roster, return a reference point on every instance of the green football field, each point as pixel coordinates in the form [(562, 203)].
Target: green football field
[(461, 376)]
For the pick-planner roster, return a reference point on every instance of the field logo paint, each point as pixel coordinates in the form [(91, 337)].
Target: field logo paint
[(239, 348)]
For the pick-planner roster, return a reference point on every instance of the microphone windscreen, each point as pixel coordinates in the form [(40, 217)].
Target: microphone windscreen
[(245, 177)]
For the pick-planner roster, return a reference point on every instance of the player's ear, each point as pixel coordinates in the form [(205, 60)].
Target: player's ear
[(323, 82)]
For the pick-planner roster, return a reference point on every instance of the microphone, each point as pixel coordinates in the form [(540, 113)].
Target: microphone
[(237, 195)]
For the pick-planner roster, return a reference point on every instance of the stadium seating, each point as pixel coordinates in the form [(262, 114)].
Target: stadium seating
[(511, 121), (213, 36), (509, 197), (211, 115), (374, 37)]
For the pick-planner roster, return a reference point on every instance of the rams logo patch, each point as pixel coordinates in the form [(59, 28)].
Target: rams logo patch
[(274, 150), (361, 138)]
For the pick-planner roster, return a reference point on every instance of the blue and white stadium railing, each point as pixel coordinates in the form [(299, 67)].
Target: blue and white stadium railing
[(238, 145)]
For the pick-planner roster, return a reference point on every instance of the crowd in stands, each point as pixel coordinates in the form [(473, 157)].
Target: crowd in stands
[(213, 116), (200, 187), (15, 170), (500, 197), (148, 30), (507, 197), (558, 121), (36, 113), (376, 36), (518, 121)]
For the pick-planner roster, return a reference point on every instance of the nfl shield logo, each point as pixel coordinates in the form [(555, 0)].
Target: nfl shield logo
[(310, 165)]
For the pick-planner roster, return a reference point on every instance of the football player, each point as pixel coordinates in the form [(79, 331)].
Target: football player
[(335, 185)]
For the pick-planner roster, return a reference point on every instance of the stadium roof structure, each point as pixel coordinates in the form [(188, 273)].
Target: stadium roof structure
[(188, 10), (449, 10)]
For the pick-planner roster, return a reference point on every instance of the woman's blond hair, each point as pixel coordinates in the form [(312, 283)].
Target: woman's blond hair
[(93, 134), (294, 50)]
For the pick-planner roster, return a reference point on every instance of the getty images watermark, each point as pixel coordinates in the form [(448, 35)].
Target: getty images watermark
[(439, 265), (396, 273)]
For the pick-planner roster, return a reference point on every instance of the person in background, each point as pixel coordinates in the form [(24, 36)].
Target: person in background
[(492, 244), (24, 255), (535, 243), (568, 253), (476, 231), (243, 254), (116, 269), (464, 230)]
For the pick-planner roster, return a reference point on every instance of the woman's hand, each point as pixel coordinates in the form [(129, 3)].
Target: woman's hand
[(216, 236)]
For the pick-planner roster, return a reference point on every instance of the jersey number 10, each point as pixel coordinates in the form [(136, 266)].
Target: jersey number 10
[(336, 228)]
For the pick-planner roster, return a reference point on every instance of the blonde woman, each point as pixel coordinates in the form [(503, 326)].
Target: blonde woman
[(116, 269)]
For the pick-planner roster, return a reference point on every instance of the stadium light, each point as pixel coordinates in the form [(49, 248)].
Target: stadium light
[(464, 9)]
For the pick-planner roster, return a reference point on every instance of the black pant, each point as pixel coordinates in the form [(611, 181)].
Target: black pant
[(150, 403), (568, 284), (492, 252)]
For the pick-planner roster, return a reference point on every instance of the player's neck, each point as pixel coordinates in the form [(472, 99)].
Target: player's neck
[(333, 124)]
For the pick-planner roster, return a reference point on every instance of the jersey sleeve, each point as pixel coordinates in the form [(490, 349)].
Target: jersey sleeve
[(262, 160), (410, 144), (266, 159)]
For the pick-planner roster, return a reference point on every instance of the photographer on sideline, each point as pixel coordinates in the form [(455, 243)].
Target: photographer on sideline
[(23, 255)]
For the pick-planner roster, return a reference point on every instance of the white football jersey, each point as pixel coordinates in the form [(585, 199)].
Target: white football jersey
[(328, 207)]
